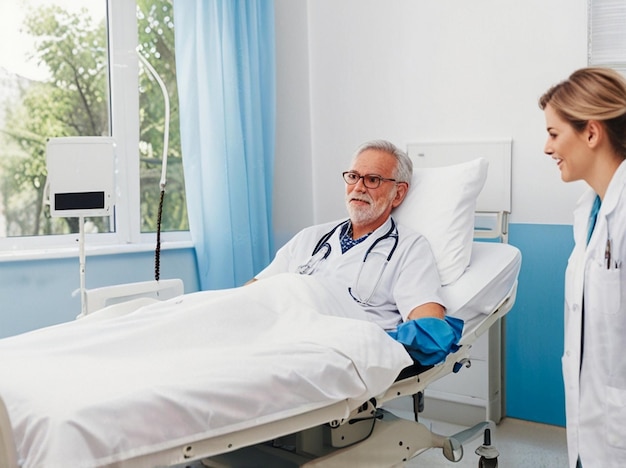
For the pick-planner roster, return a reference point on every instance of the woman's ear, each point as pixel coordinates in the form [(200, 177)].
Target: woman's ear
[(594, 133)]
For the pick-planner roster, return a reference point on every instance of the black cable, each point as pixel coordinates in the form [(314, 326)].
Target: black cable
[(157, 252)]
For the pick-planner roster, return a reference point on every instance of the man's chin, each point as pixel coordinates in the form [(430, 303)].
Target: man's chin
[(358, 217)]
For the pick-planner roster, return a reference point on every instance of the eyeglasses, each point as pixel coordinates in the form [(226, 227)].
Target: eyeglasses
[(371, 181)]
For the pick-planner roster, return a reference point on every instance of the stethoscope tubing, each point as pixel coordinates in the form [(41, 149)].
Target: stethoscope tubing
[(309, 267)]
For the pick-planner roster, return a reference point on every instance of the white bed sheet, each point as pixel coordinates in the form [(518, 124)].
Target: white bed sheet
[(493, 272), (97, 391)]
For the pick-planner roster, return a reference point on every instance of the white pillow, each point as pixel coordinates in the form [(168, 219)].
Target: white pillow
[(440, 205)]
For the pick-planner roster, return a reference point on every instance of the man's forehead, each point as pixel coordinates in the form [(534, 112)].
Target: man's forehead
[(374, 160)]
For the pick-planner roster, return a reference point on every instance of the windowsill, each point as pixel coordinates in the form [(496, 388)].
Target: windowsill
[(48, 253)]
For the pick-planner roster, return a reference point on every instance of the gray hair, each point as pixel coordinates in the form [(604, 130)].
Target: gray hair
[(404, 167)]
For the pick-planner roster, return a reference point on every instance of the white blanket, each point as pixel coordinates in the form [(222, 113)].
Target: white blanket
[(102, 389)]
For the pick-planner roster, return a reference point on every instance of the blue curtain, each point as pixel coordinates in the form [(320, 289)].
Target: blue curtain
[(225, 66)]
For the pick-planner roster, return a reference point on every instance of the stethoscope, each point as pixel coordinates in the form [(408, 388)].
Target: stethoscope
[(322, 251)]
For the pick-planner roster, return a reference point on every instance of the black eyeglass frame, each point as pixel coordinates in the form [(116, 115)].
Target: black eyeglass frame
[(371, 181)]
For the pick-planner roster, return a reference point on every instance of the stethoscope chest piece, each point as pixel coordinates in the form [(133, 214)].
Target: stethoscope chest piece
[(318, 257)]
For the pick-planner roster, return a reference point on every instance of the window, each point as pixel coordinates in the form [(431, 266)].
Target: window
[(607, 34), (72, 70), (156, 43)]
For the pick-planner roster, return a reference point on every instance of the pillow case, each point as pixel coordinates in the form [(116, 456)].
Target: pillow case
[(440, 205)]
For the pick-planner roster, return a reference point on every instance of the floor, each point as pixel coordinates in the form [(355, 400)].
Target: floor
[(520, 444)]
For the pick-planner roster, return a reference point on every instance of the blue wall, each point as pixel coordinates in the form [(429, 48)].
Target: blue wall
[(38, 293), (534, 327)]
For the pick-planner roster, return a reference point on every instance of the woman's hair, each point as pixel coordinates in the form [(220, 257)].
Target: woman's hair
[(592, 93), (404, 166)]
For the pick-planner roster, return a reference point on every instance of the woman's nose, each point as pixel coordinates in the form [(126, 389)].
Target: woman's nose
[(548, 148)]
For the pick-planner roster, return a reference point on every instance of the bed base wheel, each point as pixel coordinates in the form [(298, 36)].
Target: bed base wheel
[(488, 463), (487, 452), (453, 445)]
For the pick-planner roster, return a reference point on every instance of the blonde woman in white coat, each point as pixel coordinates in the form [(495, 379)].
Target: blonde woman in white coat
[(586, 123)]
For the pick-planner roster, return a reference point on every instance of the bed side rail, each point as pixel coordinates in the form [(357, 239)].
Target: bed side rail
[(500, 311), (492, 225), (99, 298)]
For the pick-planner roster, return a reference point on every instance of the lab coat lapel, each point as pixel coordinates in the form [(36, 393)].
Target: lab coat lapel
[(602, 231), (614, 191)]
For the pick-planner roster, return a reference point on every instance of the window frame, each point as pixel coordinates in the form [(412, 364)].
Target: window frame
[(123, 76)]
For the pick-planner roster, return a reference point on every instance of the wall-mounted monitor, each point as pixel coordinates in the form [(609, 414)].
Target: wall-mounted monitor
[(81, 176)]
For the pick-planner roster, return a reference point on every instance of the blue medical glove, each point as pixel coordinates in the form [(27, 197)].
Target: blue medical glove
[(429, 340)]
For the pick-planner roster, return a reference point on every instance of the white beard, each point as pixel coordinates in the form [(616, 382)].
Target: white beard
[(366, 214)]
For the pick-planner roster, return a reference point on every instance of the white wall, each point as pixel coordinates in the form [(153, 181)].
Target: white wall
[(408, 70), (293, 188)]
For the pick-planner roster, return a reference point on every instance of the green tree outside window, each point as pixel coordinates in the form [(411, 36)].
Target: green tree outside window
[(74, 102)]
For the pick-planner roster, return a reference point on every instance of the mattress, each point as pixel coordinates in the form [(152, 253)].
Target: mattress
[(492, 274)]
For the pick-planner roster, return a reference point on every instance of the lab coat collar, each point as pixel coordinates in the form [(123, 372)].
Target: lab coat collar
[(615, 189), (581, 212), (382, 228), (611, 198), (375, 234), (386, 226)]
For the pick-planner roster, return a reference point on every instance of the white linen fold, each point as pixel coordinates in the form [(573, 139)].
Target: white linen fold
[(108, 387)]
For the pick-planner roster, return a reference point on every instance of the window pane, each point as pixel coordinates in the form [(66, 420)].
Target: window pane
[(53, 82), (155, 19)]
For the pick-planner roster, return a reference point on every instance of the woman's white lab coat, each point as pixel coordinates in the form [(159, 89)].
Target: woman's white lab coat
[(595, 395)]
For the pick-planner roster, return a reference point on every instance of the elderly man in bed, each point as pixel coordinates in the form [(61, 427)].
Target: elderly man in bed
[(368, 260)]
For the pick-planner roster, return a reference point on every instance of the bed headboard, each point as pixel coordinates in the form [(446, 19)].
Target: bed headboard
[(493, 205)]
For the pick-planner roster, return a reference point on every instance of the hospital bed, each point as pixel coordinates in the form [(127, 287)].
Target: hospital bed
[(126, 432), (147, 383)]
